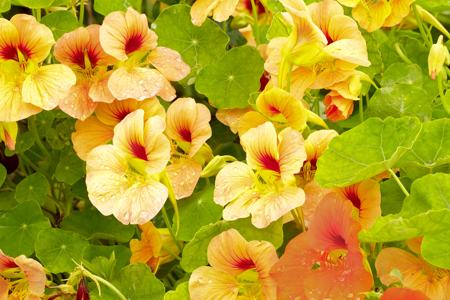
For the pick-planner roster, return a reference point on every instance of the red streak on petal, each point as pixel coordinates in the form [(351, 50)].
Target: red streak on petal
[(269, 162), (337, 241), (121, 114), (245, 264), (138, 150), (248, 6), (78, 57), (7, 263), (273, 109), (9, 52), (133, 43), (185, 134), (329, 39), (351, 193)]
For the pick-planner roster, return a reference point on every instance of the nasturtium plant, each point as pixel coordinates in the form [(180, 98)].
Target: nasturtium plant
[(252, 149)]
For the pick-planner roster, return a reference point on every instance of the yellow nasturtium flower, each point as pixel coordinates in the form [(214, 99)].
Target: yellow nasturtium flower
[(123, 179), (27, 87), (238, 270), (126, 37), (8, 134), (264, 187), (81, 51)]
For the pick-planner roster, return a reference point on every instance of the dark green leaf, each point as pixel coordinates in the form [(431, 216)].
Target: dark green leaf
[(34, 187)]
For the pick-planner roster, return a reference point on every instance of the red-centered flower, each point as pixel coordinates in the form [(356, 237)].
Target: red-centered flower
[(337, 107), (326, 261)]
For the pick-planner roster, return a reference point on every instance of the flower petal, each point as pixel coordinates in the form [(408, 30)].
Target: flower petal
[(34, 273), (371, 15), (89, 134), (136, 83), (292, 151), (184, 175), (231, 117), (48, 85), (169, 63), (224, 10), (99, 91), (201, 9), (77, 103), (9, 40), (399, 10), (396, 293), (206, 283)]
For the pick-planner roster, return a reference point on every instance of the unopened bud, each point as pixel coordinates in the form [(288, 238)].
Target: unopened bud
[(8, 134), (215, 165), (438, 56), (83, 291)]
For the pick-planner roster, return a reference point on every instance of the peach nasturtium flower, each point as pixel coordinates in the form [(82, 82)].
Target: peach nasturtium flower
[(27, 87), (337, 108), (238, 270), (413, 273), (126, 37), (21, 278), (99, 128), (220, 10), (264, 187), (396, 293), (123, 179), (326, 261), (154, 248), (81, 50)]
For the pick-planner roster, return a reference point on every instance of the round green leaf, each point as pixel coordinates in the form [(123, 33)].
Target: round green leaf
[(436, 249), (24, 142), (60, 22), (33, 3), (366, 150), (181, 292), (19, 228), (198, 45), (402, 73), (70, 168), (229, 82), (58, 249), (33, 188), (105, 7), (197, 211)]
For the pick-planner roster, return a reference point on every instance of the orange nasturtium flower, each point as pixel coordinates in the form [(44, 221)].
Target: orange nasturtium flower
[(264, 187), (126, 37), (26, 87), (374, 14), (326, 261), (238, 270), (337, 108), (220, 10), (413, 273), (396, 293), (81, 50), (123, 179), (21, 278), (155, 248), (99, 128)]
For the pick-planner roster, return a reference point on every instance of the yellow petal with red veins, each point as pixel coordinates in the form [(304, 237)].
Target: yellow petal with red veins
[(292, 151), (77, 103), (9, 39), (35, 39), (90, 134), (232, 181), (48, 85), (337, 107), (124, 33), (274, 205), (184, 175), (115, 188), (371, 15), (188, 122), (206, 283), (169, 63), (137, 83)]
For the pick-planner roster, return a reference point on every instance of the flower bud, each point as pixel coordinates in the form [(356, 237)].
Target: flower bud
[(438, 56), (338, 108), (83, 291), (8, 134), (216, 164)]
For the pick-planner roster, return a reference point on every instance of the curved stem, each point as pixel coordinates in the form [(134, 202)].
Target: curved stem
[(173, 200), (169, 226), (400, 184), (255, 21), (420, 25), (402, 54)]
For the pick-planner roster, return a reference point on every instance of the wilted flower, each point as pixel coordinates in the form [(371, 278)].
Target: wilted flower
[(123, 178), (21, 278), (238, 269), (26, 87)]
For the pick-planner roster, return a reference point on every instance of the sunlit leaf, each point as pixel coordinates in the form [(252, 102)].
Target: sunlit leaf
[(105, 7), (180, 293), (60, 22), (436, 249)]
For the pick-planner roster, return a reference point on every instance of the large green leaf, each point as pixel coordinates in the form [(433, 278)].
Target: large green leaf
[(436, 249), (33, 3), (229, 82), (5, 5), (33, 188), (400, 100), (426, 211), (402, 73), (60, 22), (105, 7), (70, 167), (198, 45), (366, 150), (197, 211), (58, 249), (181, 292), (93, 225), (19, 228), (195, 252), (432, 148)]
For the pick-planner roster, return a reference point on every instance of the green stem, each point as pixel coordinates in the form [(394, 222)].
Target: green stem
[(38, 15), (400, 184), (402, 54), (421, 29), (28, 162), (255, 22), (33, 128), (107, 283), (361, 109), (81, 18), (166, 181), (440, 85), (166, 220)]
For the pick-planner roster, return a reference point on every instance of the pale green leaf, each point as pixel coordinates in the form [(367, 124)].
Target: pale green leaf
[(60, 22), (105, 7)]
